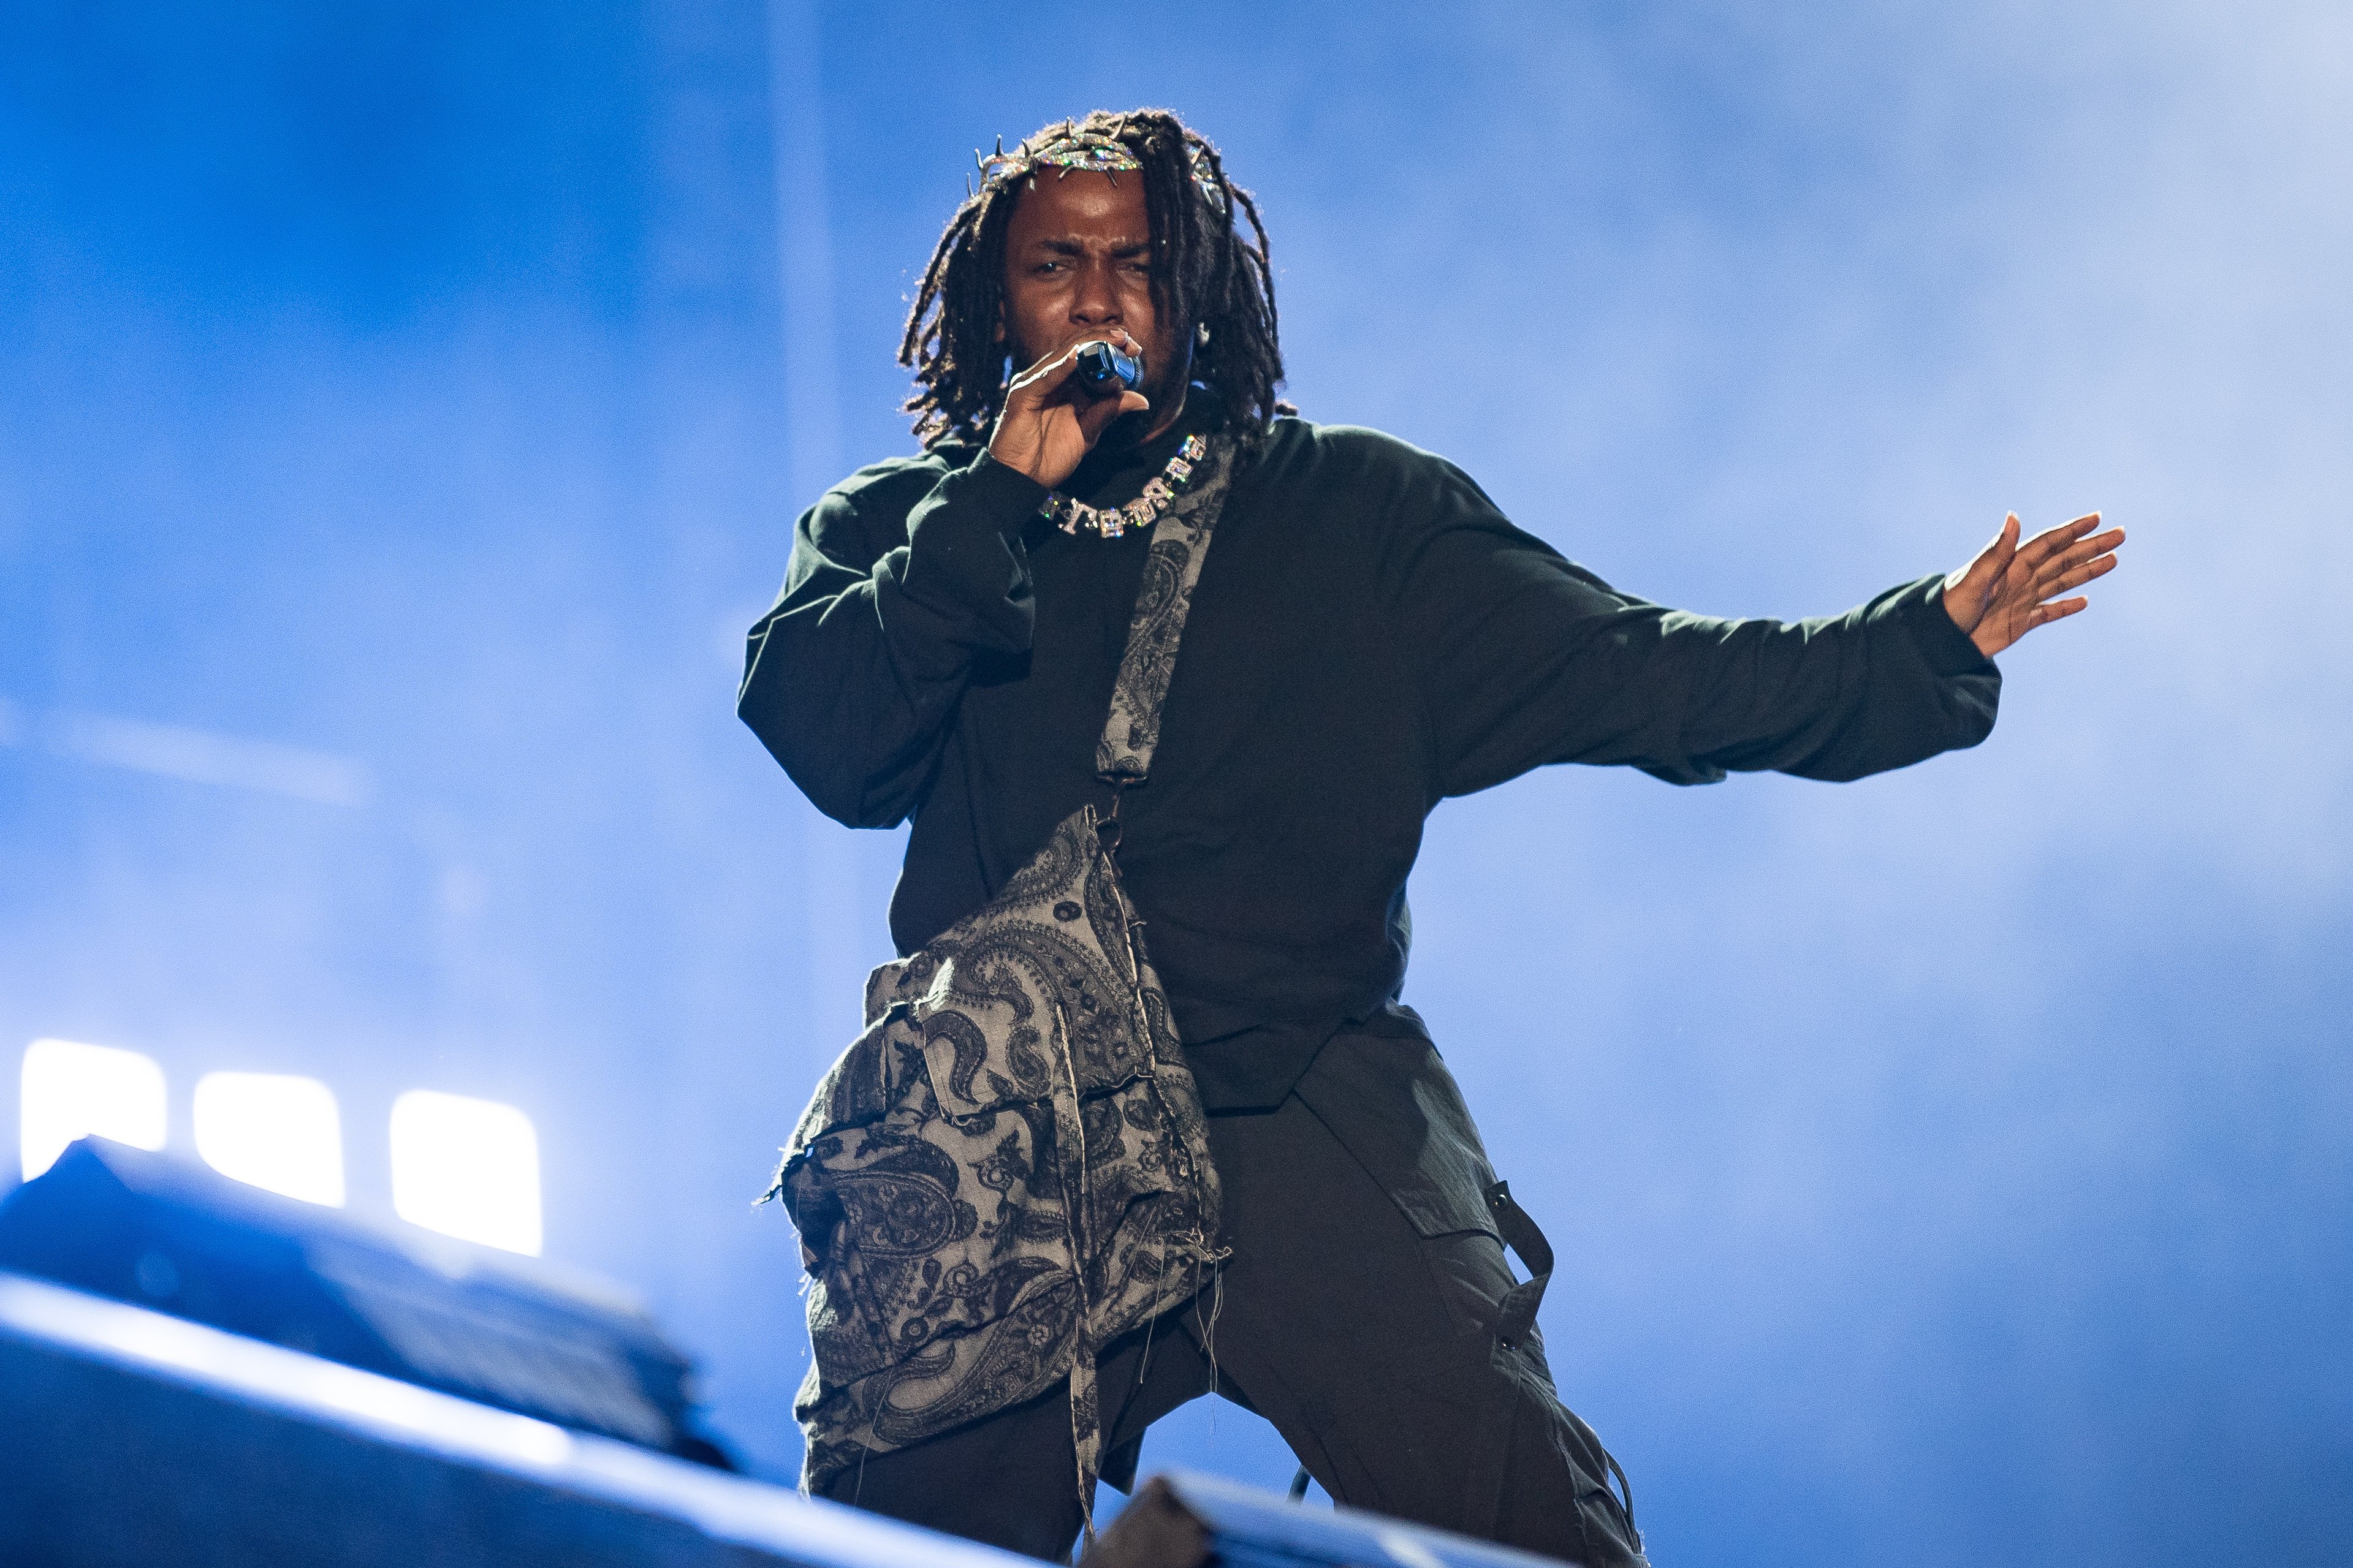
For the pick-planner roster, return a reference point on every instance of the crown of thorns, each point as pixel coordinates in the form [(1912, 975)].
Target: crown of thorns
[(1068, 148)]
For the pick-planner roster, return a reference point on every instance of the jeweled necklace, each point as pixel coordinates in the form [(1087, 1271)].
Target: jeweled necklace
[(1110, 522)]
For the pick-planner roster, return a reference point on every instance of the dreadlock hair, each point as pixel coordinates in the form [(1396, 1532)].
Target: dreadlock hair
[(1204, 274)]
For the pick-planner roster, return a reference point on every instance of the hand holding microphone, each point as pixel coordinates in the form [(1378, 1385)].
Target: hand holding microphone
[(1057, 409)]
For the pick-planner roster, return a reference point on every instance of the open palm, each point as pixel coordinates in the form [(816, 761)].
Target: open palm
[(2010, 589)]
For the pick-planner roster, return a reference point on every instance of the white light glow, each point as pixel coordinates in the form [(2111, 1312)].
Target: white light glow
[(467, 1168), (274, 1132), (71, 1090)]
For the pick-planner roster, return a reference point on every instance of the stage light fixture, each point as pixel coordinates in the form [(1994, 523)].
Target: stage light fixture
[(274, 1131), (467, 1168), (69, 1090)]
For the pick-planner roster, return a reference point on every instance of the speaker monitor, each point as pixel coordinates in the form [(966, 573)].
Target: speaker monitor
[(175, 1236), (134, 1439)]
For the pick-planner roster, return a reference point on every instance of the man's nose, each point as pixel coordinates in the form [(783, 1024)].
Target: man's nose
[(1095, 303)]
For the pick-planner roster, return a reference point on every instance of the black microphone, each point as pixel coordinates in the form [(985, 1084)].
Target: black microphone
[(1103, 372)]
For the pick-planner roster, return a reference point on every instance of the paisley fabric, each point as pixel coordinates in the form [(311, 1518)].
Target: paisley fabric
[(1009, 1168), (1179, 544)]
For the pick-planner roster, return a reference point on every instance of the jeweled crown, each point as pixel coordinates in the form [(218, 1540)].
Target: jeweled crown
[(1068, 147)]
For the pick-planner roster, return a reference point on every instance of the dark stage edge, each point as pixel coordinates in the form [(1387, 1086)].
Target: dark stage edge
[(128, 1437)]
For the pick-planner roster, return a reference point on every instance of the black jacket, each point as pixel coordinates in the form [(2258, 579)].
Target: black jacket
[(1370, 636)]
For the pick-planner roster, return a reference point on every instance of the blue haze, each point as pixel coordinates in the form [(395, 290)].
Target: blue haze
[(1954, 1165)]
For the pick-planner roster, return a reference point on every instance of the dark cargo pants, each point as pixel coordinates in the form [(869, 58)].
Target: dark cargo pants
[(1357, 1315)]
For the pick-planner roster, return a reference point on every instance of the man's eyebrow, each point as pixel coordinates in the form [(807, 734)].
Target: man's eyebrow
[(1063, 246)]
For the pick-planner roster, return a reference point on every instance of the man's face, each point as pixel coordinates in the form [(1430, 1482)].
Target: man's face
[(1078, 264)]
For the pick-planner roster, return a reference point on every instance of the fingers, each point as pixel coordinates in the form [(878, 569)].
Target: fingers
[(2082, 549), (1974, 583), (2009, 590), (2039, 550), (2076, 578), (2051, 541), (1034, 387), (2057, 610), (2073, 567), (2004, 548)]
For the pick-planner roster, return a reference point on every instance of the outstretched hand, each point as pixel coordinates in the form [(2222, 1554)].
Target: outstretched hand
[(2010, 589)]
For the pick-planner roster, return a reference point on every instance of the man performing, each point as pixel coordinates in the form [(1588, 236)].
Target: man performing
[(1363, 636)]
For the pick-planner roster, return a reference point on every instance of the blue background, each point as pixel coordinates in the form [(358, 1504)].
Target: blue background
[(403, 408)]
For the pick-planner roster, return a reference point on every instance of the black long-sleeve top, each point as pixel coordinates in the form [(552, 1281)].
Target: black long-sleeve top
[(1370, 636)]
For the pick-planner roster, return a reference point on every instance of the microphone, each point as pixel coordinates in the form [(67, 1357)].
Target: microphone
[(1103, 372)]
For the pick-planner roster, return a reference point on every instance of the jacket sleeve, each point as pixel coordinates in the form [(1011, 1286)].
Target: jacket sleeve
[(1527, 659), (853, 680)]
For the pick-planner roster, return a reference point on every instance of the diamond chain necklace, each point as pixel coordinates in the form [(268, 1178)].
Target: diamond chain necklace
[(1110, 522)]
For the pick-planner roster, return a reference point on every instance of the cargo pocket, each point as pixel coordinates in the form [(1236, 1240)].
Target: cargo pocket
[(1394, 1107), (1606, 1516), (1391, 1103)]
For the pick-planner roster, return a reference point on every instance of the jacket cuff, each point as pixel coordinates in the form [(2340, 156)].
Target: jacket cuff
[(965, 560), (1002, 489), (969, 505), (1944, 646)]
